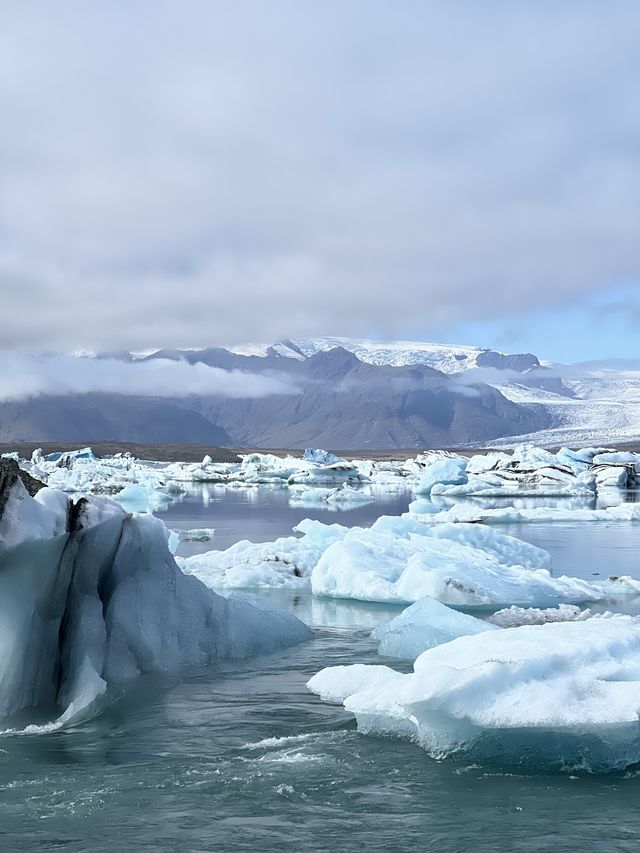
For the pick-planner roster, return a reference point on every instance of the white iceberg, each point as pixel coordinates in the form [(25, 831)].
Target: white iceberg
[(443, 472), (423, 625), (397, 560), (286, 562), (559, 695)]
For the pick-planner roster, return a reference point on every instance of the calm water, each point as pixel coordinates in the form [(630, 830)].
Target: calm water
[(245, 758)]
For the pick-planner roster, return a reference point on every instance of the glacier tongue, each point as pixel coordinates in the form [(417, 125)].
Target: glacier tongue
[(100, 600)]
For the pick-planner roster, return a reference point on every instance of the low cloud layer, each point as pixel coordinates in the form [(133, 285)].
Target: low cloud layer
[(215, 172), (23, 376)]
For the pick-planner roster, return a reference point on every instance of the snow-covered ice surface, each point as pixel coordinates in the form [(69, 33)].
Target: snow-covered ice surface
[(603, 405), (287, 561), (561, 695), (449, 358), (462, 565)]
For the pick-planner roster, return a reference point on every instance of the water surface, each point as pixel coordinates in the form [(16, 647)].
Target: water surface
[(243, 757)]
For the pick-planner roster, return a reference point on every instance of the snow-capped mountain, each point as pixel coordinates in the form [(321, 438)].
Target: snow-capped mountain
[(448, 358), (345, 394), (444, 357), (588, 403)]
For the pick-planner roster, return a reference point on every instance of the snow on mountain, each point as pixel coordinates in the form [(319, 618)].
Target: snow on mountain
[(449, 358)]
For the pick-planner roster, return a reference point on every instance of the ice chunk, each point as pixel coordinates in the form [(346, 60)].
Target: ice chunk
[(321, 457), (512, 617), (559, 695), (425, 624), (335, 499), (466, 513), (142, 498), (446, 471), (349, 496), (196, 534), (287, 561), (23, 518), (336, 683)]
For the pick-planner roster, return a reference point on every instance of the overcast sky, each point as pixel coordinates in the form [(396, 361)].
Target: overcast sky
[(195, 173)]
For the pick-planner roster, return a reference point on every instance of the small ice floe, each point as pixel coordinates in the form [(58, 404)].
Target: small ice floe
[(196, 534)]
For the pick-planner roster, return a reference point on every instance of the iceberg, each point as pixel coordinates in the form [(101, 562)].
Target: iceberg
[(286, 562), (91, 598), (423, 625), (471, 566), (560, 696), (444, 472), (462, 513), (332, 499)]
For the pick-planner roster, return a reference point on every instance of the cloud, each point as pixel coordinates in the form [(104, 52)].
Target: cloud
[(214, 172), (25, 375)]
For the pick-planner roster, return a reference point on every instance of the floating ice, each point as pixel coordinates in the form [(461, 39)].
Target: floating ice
[(287, 561), (444, 472), (463, 565), (559, 695), (425, 624), (513, 617), (196, 534), (472, 513), (526, 471), (90, 597), (340, 498)]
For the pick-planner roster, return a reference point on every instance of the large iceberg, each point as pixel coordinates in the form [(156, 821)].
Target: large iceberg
[(561, 695), (500, 476), (90, 598), (401, 560)]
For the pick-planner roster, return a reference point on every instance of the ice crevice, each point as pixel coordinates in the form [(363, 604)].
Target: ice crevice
[(91, 598)]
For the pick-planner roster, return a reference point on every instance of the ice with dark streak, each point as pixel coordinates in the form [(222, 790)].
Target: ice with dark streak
[(91, 597)]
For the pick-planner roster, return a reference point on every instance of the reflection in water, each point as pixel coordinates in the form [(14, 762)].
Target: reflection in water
[(263, 513)]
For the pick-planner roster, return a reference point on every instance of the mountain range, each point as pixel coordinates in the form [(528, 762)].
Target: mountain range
[(346, 394)]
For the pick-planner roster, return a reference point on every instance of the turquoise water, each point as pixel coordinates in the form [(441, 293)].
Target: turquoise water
[(243, 757)]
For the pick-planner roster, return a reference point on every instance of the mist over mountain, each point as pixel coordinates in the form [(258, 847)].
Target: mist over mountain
[(338, 393), (331, 398)]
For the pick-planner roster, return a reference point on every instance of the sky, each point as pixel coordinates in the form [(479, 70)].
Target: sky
[(197, 173)]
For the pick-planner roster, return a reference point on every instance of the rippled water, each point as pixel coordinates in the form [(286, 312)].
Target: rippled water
[(243, 757)]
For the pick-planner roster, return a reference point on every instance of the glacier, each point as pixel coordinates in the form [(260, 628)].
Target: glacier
[(560, 696)]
